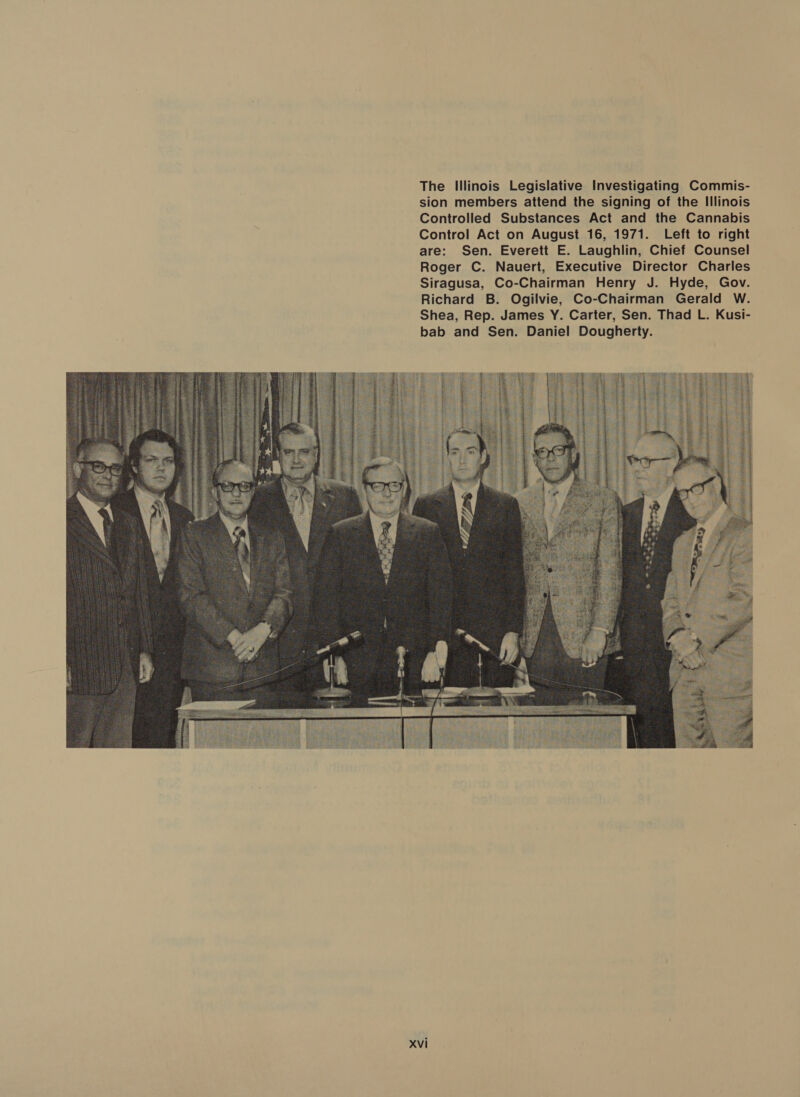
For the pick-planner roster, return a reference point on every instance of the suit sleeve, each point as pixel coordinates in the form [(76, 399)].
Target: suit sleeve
[(608, 586), (670, 610), (514, 575), (280, 606), (738, 607), (325, 601), (146, 639), (440, 590), (352, 504), (196, 604)]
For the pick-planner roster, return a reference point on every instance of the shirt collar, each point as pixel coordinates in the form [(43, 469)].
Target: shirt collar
[(377, 525), (561, 488), (92, 509), (712, 522), (289, 488), (461, 492), (146, 498), (662, 500), (230, 525)]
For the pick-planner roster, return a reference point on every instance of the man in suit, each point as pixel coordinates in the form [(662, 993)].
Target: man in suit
[(573, 567), (482, 532), (650, 525), (708, 616), (303, 507), (109, 630), (386, 574), (234, 590), (155, 458)]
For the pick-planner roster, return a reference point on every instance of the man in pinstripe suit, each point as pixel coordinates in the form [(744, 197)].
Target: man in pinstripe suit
[(109, 629)]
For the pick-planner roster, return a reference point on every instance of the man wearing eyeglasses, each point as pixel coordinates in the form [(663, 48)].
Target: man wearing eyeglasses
[(650, 525), (234, 589), (303, 506), (386, 574), (708, 616), (573, 567), (155, 460), (109, 628), (482, 532)]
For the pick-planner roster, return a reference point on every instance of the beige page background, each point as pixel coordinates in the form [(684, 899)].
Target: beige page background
[(203, 186)]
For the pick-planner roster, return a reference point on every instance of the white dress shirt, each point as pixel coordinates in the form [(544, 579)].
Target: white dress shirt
[(92, 512)]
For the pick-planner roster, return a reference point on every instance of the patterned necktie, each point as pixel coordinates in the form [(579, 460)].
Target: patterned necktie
[(385, 550), (242, 551), (159, 538), (650, 535), (551, 510), (466, 519), (697, 552), (108, 534)]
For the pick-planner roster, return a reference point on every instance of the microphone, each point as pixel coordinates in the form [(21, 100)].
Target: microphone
[(473, 643), (350, 640), (401, 654)]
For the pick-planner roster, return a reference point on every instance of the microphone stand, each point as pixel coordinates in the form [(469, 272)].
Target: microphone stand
[(401, 697), (481, 694), (332, 695)]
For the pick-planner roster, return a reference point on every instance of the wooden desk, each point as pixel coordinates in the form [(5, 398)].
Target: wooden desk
[(519, 723)]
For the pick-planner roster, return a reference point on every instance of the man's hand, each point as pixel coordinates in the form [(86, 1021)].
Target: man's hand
[(693, 660), (339, 671), (69, 679), (683, 644), (249, 643), (430, 668), (146, 667), (593, 646), (509, 648)]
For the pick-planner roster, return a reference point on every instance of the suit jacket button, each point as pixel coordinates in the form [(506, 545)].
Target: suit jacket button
[(544, 595), (647, 586), (549, 569), (687, 615)]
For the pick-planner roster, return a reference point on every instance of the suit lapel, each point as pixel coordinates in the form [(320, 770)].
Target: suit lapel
[(83, 530), (575, 504), (480, 516), (131, 505), (224, 546), (535, 510), (445, 501), (370, 549), (323, 499), (402, 548), (708, 549)]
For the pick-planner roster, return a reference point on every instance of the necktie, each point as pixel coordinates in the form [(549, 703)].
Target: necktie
[(108, 534), (159, 538), (466, 519), (551, 510), (697, 552), (385, 550), (300, 512), (650, 535), (242, 551)]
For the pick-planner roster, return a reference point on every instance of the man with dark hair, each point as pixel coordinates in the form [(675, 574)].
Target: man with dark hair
[(386, 574), (155, 462), (302, 506), (650, 525), (482, 532), (109, 630), (573, 569), (708, 615), (234, 590)]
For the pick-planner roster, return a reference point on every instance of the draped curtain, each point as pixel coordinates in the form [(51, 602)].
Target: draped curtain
[(709, 414), (409, 415), (212, 415)]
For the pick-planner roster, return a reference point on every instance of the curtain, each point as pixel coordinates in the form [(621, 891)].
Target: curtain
[(409, 415), (212, 415), (709, 414)]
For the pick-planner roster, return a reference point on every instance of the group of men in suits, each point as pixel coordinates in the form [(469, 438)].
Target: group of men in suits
[(552, 581)]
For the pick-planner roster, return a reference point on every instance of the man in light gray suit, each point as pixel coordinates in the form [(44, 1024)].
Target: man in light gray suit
[(708, 616), (571, 546)]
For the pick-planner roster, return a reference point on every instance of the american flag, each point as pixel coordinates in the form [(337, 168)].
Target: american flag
[(264, 469)]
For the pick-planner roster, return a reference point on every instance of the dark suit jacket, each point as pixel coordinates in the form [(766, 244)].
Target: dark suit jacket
[(351, 593), (215, 599), (640, 608), (108, 616), (168, 621), (333, 501), (488, 584)]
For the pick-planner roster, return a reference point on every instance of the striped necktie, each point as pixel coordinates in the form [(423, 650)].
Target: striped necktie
[(466, 519)]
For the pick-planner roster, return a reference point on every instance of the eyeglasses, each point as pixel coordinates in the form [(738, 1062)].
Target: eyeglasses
[(695, 489), (645, 462), (381, 485), (557, 451), (98, 468), (228, 486)]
